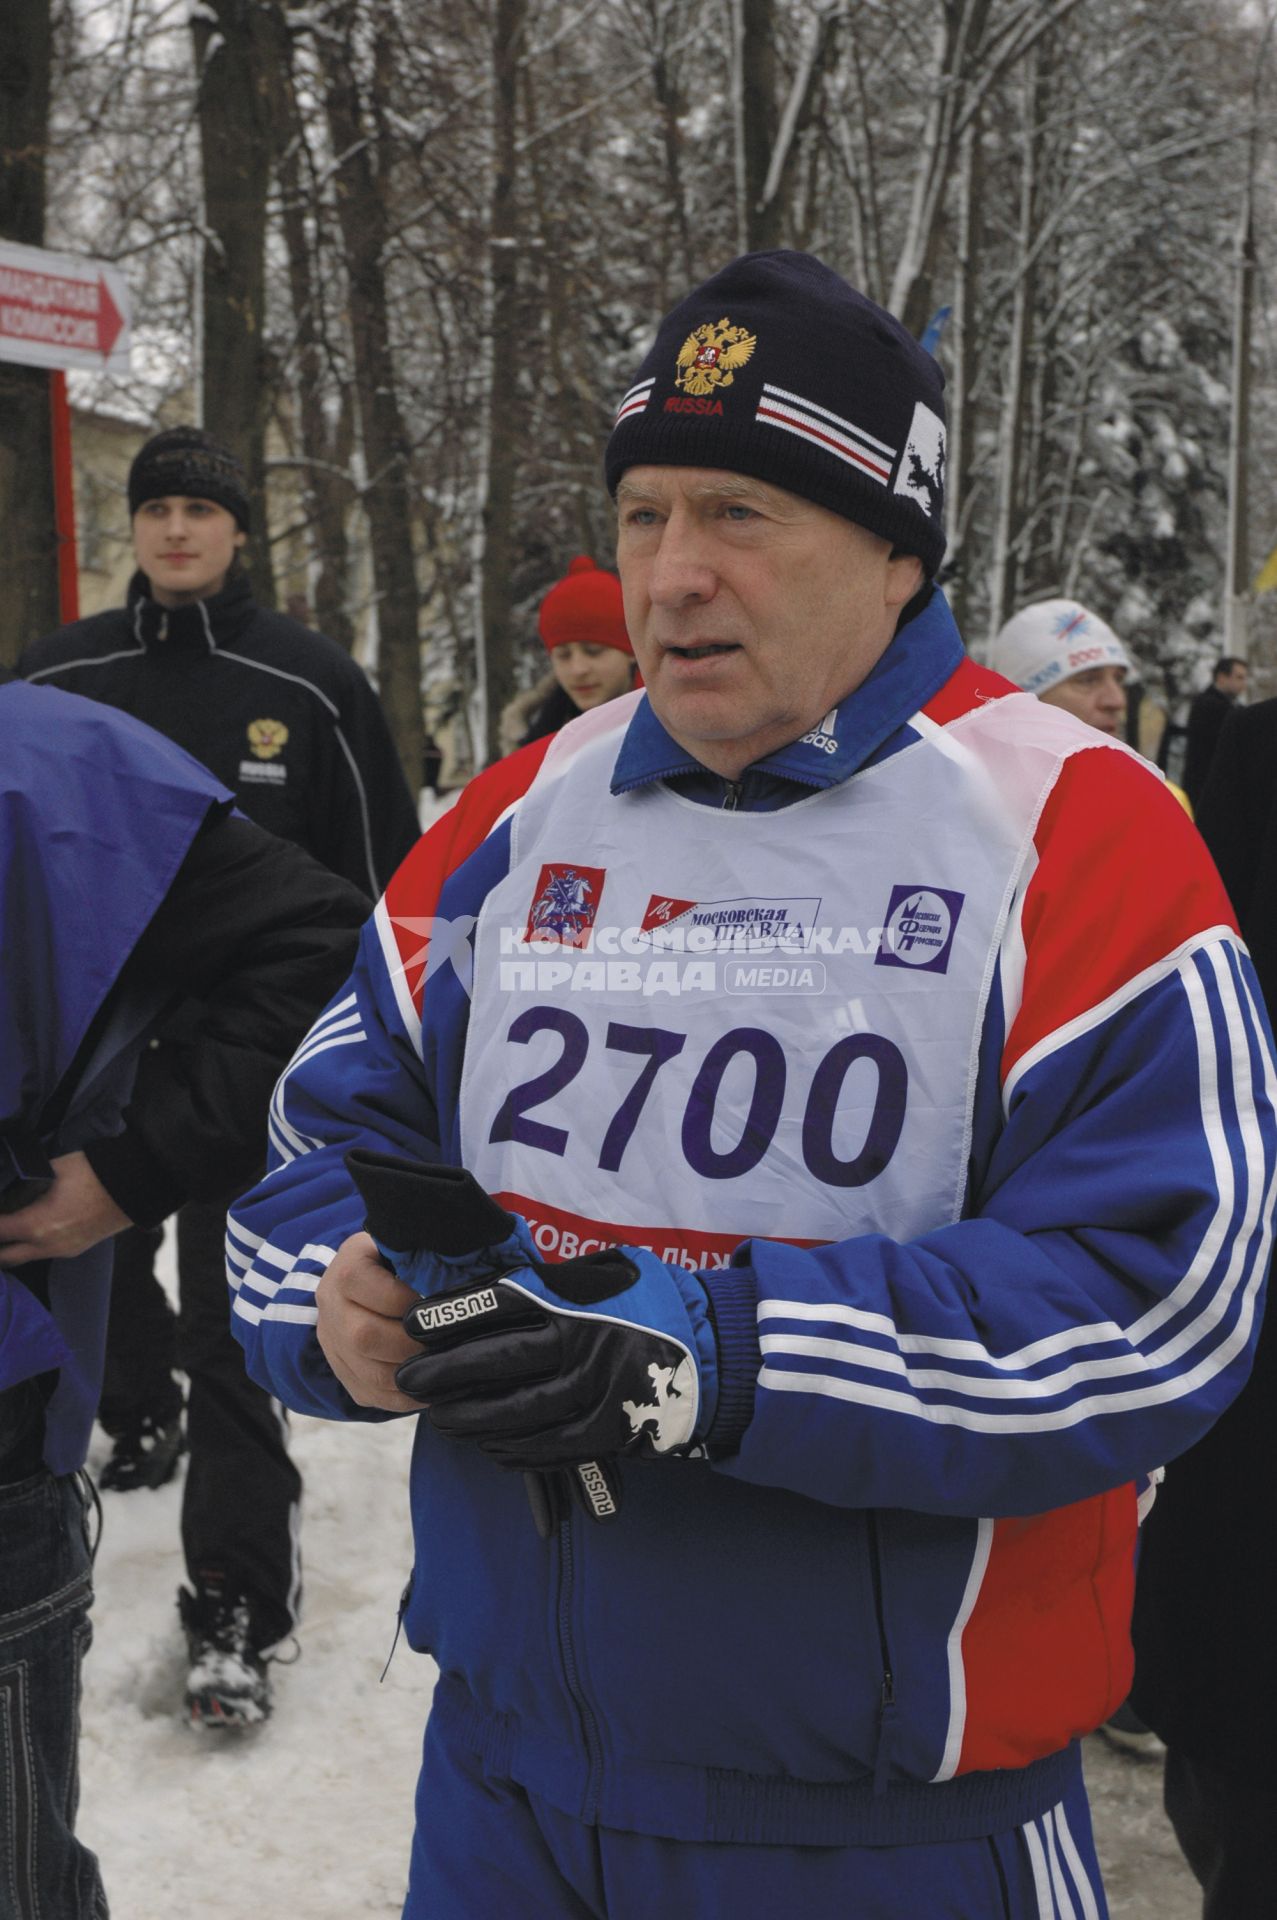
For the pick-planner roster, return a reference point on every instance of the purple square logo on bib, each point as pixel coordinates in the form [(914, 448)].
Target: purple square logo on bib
[(918, 929)]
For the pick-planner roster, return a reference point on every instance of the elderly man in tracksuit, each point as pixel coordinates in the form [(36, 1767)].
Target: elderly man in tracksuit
[(868, 1124)]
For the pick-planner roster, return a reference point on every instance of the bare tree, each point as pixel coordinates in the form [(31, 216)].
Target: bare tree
[(237, 53), (495, 680), (326, 439), (352, 52), (961, 398), (1010, 509)]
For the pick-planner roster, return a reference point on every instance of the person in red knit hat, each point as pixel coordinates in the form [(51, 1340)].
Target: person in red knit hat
[(582, 624)]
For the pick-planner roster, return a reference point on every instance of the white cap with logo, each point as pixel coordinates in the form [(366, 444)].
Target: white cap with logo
[(1044, 644)]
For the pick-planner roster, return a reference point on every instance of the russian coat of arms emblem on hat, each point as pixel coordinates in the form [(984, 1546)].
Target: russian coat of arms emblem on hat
[(712, 356)]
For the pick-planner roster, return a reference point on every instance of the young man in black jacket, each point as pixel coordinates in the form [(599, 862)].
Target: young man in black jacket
[(287, 721)]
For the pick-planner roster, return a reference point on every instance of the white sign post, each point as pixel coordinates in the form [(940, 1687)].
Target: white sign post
[(58, 310)]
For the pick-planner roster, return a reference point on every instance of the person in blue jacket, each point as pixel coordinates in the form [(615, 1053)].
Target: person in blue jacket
[(806, 1131), (126, 884)]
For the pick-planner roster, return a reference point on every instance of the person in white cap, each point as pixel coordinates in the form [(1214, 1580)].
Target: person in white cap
[(1065, 654), (1071, 659)]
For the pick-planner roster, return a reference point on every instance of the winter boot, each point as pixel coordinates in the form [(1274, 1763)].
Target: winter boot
[(1125, 1729), (144, 1453), (228, 1684)]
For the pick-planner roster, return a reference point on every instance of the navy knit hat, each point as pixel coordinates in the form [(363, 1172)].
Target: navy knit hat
[(777, 368), (186, 460)]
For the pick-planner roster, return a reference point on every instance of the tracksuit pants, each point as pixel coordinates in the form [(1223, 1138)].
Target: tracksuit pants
[(487, 1849)]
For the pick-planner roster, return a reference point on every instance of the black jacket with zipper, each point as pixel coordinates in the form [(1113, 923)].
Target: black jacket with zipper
[(1205, 1644), (281, 715)]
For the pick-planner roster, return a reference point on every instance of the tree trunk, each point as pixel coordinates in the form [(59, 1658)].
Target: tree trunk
[(556, 276), (387, 500), (1004, 582), (325, 450), (235, 61), (666, 90), (774, 220), (29, 604), (755, 114), (958, 37), (495, 650), (856, 148), (962, 335), (1237, 595)]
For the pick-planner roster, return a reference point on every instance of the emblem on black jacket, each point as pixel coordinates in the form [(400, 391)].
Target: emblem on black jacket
[(266, 737)]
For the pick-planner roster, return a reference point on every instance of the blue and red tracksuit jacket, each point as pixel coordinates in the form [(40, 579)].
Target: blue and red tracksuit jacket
[(890, 1611)]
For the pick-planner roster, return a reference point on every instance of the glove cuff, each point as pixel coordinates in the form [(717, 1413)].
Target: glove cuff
[(733, 1300)]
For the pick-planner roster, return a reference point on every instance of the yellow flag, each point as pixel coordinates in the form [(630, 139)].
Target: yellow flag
[(1266, 578)]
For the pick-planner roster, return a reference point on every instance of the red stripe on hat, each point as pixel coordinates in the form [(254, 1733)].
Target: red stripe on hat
[(806, 432)]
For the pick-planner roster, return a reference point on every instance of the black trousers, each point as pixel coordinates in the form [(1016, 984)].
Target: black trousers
[(241, 1503), (1227, 1828)]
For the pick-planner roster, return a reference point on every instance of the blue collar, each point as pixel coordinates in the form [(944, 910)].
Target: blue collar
[(915, 666)]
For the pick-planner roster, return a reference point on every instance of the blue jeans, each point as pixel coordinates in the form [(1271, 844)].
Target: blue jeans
[(46, 1589)]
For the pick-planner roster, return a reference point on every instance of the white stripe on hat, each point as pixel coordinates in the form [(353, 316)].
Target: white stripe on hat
[(847, 426), (835, 439), (635, 400)]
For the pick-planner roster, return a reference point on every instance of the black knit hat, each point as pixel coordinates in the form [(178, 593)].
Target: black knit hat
[(777, 368), (186, 460)]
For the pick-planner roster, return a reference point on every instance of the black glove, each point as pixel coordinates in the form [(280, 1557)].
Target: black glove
[(527, 1367), (436, 1226)]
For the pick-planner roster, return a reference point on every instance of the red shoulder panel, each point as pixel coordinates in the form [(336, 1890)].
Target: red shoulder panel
[(413, 893), (967, 686), (1123, 878)]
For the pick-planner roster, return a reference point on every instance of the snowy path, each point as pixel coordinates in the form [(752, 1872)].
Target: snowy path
[(311, 1817)]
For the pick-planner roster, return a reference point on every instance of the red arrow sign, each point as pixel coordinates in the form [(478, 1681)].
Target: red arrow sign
[(57, 311)]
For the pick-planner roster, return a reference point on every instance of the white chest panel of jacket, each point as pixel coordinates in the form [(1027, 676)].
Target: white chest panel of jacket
[(693, 1026)]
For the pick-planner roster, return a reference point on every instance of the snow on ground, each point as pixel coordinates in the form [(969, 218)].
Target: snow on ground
[(310, 1817), (1144, 1872)]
